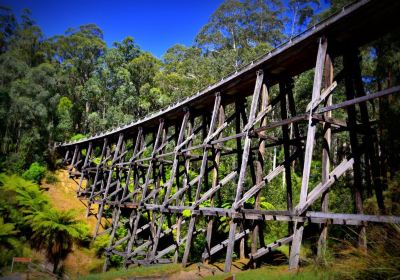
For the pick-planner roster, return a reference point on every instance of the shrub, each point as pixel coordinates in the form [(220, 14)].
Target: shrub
[(77, 137), (35, 172), (100, 244)]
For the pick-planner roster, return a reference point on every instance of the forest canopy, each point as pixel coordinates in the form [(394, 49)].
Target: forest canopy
[(71, 85)]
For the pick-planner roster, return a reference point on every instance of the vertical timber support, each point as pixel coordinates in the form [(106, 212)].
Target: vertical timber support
[(203, 168), (243, 167), (299, 227), (355, 148), (258, 235), (83, 171), (368, 133), (285, 91), (216, 160), (326, 146), (109, 179), (98, 167)]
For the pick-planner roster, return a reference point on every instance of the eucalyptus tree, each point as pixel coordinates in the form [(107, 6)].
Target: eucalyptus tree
[(239, 25)]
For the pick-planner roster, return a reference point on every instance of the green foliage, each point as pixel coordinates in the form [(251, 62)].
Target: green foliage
[(35, 173), (55, 231), (77, 137), (100, 244), (186, 213), (9, 244), (27, 214)]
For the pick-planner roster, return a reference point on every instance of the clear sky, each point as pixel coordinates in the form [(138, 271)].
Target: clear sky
[(155, 25)]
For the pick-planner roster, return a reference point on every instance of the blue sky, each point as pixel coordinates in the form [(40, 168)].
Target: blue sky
[(155, 25)]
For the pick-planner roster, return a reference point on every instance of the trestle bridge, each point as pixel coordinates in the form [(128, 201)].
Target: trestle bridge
[(155, 184)]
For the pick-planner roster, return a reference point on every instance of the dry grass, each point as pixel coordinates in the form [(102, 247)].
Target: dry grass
[(63, 196)]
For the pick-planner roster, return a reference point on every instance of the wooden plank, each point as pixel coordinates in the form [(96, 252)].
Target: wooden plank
[(322, 187), (264, 250), (256, 188), (73, 160), (224, 244), (207, 195), (215, 182), (324, 95)]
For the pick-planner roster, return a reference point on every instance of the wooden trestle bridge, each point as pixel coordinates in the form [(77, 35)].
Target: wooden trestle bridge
[(159, 178)]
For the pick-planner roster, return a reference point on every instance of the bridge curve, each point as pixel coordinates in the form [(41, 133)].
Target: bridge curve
[(160, 177), (345, 29)]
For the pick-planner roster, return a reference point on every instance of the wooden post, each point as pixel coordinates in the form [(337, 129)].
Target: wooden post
[(352, 123), (299, 227), (185, 183), (258, 228), (73, 160), (321, 250), (216, 160), (203, 167), (109, 179), (93, 187), (243, 166), (369, 133), (284, 92), (83, 171)]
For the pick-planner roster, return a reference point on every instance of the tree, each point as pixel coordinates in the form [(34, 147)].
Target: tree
[(301, 10), (240, 25), (55, 231)]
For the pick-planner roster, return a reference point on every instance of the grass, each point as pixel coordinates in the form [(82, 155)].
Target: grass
[(273, 272), (148, 271)]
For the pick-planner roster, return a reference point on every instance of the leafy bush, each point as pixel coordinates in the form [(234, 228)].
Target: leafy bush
[(77, 137), (100, 244), (35, 172)]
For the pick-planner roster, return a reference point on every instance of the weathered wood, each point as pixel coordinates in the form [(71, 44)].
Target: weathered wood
[(298, 231), (147, 192), (224, 244), (285, 91), (257, 234), (369, 134), (352, 120), (264, 250), (203, 167), (216, 160), (243, 166), (93, 186), (101, 207), (321, 188), (325, 164)]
